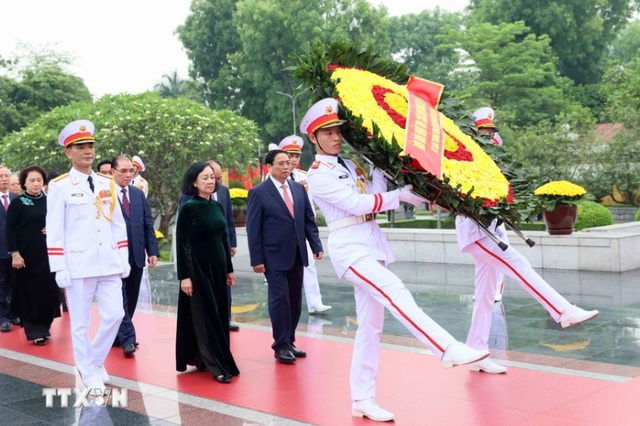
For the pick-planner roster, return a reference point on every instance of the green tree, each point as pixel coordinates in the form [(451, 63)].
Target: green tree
[(514, 71), (558, 150), (169, 134), (172, 86), (421, 43), (210, 38), (36, 90), (615, 166), (626, 47), (580, 31), (239, 49)]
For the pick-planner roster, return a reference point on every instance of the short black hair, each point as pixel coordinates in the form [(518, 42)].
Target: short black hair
[(116, 160), (271, 155), (191, 176), (25, 172), (103, 162)]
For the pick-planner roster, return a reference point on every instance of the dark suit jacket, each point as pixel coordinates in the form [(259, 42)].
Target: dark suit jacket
[(273, 235), (4, 251), (142, 237), (227, 209)]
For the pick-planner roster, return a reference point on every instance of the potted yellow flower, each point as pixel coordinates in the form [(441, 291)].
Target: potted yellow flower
[(559, 199), (239, 204)]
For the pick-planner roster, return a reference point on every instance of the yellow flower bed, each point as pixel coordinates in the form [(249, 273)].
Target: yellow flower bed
[(384, 102), (238, 193), (560, 188)]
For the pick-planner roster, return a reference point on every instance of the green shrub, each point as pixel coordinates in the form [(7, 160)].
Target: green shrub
[(320, 220), (637, 215), (592, 214)]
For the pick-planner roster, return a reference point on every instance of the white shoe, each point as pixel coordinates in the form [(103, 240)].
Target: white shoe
[(574, 315), (457, 353), (370, 409), (318, 309), (488, 366)]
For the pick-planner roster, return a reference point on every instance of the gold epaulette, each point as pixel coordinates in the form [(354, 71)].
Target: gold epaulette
[(103, 175), (62, 176), (302, 171), (315, 164)]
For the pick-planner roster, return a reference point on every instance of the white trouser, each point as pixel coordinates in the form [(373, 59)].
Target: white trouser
[(376, 288), (90, 355), (310, 281), (492, 261)]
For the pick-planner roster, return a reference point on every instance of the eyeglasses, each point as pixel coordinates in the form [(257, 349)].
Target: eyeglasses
[(125, 171), (282, 163)]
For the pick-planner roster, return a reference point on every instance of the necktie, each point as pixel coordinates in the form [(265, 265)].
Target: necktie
[(90, 180), (125, 202), (342, 163), (287, 200), (291, 176), (5, 201)]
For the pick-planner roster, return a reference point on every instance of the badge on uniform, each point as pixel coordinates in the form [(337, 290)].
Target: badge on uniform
[(343, 176), (77, 194)]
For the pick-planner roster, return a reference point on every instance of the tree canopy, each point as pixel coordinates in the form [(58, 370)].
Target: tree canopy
[(38, 86), (580, 31), (169, 134), (239, 48), (421, 43)]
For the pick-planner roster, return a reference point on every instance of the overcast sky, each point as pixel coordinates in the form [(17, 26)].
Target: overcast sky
[(123, 45)]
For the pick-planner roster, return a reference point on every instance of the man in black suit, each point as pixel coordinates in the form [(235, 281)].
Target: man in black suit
[(5, 258), (221, 195), (142, 241), (279, 220)]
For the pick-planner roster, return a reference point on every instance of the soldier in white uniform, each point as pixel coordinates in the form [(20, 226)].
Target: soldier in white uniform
[(138, 181), (491, 264), (292, 145), (88, 250), (360, 252)]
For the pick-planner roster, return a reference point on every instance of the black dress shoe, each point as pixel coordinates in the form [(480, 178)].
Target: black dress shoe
[(233, 326), (222, 378), (129, 350), (16, 321), (5, 327), (297, 352), (285, 356)]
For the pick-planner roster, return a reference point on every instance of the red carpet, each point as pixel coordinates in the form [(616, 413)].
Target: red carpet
[(316, 390)]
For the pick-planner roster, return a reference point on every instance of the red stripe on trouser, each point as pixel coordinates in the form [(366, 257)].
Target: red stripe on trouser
[(409, 320), (520, 277)]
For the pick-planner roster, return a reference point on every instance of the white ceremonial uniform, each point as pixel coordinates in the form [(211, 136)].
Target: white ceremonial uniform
[(142, 184), (490, 261), (87, 236), (310, 279), (359, 253)]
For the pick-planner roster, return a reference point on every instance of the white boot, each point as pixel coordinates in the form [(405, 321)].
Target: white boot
[(370, 409), (457, 353), (488, 366), (574, 315)]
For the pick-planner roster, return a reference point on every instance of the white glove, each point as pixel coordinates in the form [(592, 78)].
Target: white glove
[(126, 271), (63, 279), (408, 196)]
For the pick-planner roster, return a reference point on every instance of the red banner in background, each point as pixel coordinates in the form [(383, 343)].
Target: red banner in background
[(424, 137)]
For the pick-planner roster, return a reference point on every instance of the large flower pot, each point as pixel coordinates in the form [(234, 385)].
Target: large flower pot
[(560, 220), (240, 217)]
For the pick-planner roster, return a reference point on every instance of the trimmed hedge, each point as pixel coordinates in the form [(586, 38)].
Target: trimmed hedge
[(591, 215), (637, 215)]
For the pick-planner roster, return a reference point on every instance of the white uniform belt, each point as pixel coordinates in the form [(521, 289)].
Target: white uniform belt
[(349, 221)]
